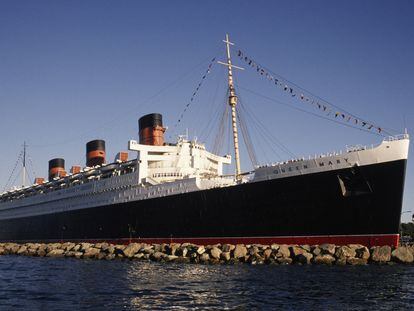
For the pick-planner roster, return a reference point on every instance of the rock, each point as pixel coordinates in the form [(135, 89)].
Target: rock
[(306, 248), (157, 256), (78, 255), (327, 248), (381, 254), (356, 261), (182, 251), (22, 250), (340, 261), (139, 255), (201, 250), (316, 250), (171, 257), (363, 253), (402, 254), (131, 250), (76, 248), (324, 259), (296, 250), (344, 252), (91, 252), (284, 260), (274, 247), (85, 246), (68, 246), (204, 258), (304, 258), (172, 248), (56, 253), (215, 252), (267, 253), (41, 252), (240, 251), (283, 251), (70, 254), (227, 247), (225, 256), (253, 250)]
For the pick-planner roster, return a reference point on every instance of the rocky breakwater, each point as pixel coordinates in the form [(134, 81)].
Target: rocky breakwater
[(326, 254)]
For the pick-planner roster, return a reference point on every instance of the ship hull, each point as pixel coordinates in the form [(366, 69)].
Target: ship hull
[(354, 205)]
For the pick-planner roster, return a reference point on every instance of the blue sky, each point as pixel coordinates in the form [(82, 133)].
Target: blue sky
[(72, 71)]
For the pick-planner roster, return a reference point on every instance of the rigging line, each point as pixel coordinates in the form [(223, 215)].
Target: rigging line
[(17, 176), (311, 113), (263, 134), (246, 139), (144, 103), (213, 119), (19, 157), (267, 133), (314, 95)]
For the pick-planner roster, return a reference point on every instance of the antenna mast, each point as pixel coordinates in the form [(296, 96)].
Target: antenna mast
[(233, 103), (24, 164)]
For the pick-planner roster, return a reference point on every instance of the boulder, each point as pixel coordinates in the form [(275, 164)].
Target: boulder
[(316, 250), (157, 256), (402, 254), (356, 261), (267, 253), (204, 258), (325, 259), (344, 252), (274, 247), (56, 253), (283, 251), (85, 246), (91, 252), (228, 247), (225, 256), (381, 254), (363, 253), (182, 251), (131, 249), (201, 250), (172, 248), (215, 252), (284, 260), (22, 250), (327, 248), (240, 251), (304, 258)]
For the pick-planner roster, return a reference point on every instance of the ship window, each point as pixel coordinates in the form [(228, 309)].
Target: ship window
[(297, 168), (290, 169), (305, 166), (338, 161), (321, 164), (275, 172), (329, 163), (283, 170)]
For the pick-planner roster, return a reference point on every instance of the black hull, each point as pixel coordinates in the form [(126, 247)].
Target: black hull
[(368, 203)]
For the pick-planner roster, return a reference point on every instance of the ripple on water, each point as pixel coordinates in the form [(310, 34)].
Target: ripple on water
[(70, 284)]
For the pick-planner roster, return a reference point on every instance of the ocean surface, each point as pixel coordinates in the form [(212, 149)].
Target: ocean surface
[(29, 283)]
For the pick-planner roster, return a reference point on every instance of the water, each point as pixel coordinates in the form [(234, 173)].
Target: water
[(28, 283)]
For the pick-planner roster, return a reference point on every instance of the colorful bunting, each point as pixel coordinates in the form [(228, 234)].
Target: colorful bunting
[(303, 97)]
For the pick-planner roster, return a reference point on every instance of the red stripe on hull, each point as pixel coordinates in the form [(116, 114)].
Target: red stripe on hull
[(367, 240)]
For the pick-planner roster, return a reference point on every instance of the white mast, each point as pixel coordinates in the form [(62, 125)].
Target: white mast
[(233, 103)]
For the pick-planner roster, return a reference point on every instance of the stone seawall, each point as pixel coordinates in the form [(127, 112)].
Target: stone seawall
[(328, 254)]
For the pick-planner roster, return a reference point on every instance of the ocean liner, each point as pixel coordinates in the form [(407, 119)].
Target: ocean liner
[(177, 192)]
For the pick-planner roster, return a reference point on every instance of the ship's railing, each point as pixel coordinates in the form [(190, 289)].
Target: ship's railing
[(397, 137)]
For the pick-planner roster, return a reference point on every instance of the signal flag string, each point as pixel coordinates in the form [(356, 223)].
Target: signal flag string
[(305, 96), (195, 92)]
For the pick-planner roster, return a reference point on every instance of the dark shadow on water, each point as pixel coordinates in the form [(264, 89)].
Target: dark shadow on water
[(70, 284)]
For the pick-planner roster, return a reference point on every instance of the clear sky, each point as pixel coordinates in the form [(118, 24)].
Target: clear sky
[(72, 71)]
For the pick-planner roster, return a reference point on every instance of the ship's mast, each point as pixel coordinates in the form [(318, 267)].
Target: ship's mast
[(233, 103), (24, 164)]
